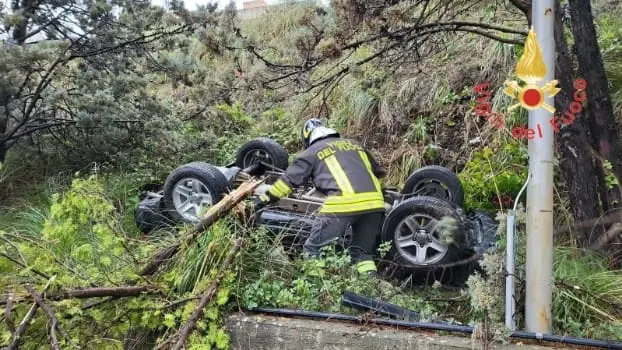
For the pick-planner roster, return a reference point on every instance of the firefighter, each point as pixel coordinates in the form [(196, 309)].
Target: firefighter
[(349, 176)]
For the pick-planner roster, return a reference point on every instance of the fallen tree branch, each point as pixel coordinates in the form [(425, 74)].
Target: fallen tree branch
[(96, 292), (613, 217), (16, 337), (22, 327), (607, 237), (19, 263), (100, 292), (50, 314), (213, 214), (8, 318), (206, 297)]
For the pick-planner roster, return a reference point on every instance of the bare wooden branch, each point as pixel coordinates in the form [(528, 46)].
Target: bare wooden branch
[(611, 218), (54, 325), (213, 214), (16, 338), (607, 237), (8, 318), (100, 292), (207, 296), (95, 292)]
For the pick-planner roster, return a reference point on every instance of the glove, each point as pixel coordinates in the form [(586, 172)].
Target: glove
[(259, 202)]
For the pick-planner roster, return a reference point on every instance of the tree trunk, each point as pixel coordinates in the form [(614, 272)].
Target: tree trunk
[(577, 165), (601, 121), (3, 152), (27, 9)]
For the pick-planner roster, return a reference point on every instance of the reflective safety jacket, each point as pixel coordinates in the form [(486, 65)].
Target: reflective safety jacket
[(341, 169)]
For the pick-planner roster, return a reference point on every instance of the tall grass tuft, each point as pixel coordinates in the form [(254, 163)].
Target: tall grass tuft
[(588, 296)]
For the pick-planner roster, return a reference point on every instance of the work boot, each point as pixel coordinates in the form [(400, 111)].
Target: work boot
[(367, 268)]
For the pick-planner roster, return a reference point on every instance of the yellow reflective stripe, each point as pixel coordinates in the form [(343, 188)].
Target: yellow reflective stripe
[(275, 192), (370, 170), (280, 189), (354, 198), (366, 266), (282, 186), (352, 208), (340, 176)]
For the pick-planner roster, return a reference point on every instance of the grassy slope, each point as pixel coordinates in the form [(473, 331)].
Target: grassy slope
[(440, 118)]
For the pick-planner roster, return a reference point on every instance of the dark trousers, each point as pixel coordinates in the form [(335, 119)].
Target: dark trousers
[(365, 231)]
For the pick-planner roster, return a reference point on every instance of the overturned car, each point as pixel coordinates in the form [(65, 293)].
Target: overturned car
[(416, 223)]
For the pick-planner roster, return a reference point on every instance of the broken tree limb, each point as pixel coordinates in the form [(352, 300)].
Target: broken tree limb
[(607, 237), (611, 218), (213, 214), (54, 324), (16, 337), (207, 296), (22, 327), (100, 292), (8, 318), (95, 292)]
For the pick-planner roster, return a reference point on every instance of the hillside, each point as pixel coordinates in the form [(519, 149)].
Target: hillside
[(115, 98)]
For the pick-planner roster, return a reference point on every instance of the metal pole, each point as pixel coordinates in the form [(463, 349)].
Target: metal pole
[(540, 188), (510, 304), (509, 278)]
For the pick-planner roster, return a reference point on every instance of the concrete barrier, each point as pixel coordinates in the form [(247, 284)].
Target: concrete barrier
[(258, 332)]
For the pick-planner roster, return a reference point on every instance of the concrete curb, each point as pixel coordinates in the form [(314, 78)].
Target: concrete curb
[(255, 332)]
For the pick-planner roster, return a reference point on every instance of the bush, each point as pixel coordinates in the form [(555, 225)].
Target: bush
[(493, 175)]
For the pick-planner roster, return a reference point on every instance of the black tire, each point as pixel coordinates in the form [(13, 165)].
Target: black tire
[(445, 184), (149, 215), (430, 207), (213, 180), (262, 149)]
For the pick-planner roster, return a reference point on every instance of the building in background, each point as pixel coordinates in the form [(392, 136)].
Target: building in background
[(256, 8)]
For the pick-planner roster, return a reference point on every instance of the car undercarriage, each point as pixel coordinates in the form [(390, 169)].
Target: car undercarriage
[(428, 230)]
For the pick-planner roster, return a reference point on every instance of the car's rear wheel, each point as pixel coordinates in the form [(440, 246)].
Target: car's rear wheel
[(262, 150), (435, 181), (192, 188)]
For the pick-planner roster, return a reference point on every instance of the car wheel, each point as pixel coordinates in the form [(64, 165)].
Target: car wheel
[(149, 215), (264, 150), (192, 188), (417, 240), (435, 181)]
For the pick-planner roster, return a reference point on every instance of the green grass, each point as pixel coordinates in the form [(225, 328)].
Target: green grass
[(586, 293)]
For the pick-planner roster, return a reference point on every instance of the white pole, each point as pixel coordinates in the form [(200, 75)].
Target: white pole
[(509, 278), (540, 187)]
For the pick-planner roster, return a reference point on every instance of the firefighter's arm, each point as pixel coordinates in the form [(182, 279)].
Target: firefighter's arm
[(295, 175), (378, 169)]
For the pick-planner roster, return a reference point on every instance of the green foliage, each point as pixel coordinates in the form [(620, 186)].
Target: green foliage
[(277, 281), (610, 178), (492, 173), (587, 295)]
